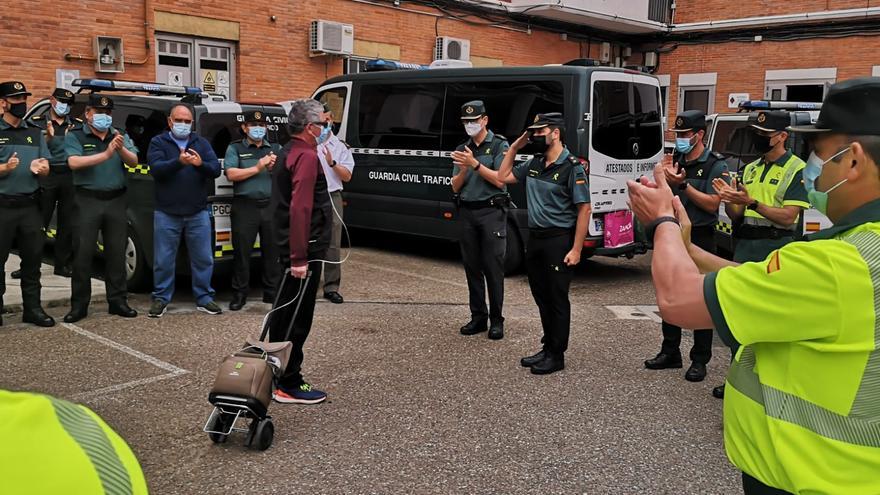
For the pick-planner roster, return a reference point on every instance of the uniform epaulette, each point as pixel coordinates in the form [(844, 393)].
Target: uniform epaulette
[(37, 117), (500, 137), (571, 159), (346, 144), (718, 155)]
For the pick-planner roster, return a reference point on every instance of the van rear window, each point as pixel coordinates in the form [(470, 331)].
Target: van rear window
[(627, 122)]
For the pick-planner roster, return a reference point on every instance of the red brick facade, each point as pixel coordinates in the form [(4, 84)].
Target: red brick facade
[(272, 61), (715, 10)]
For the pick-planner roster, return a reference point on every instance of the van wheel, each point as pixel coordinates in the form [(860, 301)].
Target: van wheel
[(135, 264), (515, 254)]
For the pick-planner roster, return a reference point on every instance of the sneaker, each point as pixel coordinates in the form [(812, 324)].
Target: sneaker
[(157, 309), (210, 307), (304, 394)]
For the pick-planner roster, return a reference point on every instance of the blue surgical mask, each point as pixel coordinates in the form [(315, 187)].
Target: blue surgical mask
[(819, 199), (257, 133), (101, 121), (61, 109), (684, 145), (181, 130), (324, 136)]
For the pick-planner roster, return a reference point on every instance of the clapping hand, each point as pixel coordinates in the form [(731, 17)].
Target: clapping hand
[(12, 164), (464, 158), (732, 193), (673, 172), (40, 166), (191, 157)]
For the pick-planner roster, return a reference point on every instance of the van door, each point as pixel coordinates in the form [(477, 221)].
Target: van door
[(336, 98), (395, 134), (626, 137)]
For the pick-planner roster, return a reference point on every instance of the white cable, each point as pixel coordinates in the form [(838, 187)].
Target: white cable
[(298, 297), (344, 228)]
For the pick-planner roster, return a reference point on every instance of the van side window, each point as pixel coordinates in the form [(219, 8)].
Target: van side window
[(647, 118), (141, 125), (334, 99), (612, 121), (511, 105), (406, 116)]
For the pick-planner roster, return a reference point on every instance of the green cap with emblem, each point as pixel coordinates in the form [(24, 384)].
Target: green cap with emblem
[(100, 101), (690, 120), (543, 120), (13, 88), (770, 121), (473, 110), (254, 116), (63, 95)]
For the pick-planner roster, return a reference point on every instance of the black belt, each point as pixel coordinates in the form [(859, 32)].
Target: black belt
[(102, 195), (546, 233), (499, 201), (259, 203), (59, 169), (18, 200), (756, 232)]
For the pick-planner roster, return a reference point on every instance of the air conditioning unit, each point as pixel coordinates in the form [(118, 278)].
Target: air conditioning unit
[(448, 48), (333, 38), (605, 52)]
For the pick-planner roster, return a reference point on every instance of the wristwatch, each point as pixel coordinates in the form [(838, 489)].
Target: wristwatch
[(651, 228), (753, 205), (478, 166), (333, 164), (683, 186)]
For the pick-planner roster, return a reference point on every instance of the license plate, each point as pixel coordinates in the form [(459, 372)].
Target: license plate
[(221, 209)]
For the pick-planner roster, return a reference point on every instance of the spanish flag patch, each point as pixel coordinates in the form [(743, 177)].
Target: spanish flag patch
[(581, 181), (773, 264)]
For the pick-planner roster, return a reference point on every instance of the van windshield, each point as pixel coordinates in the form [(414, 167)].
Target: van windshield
[(734, 140)]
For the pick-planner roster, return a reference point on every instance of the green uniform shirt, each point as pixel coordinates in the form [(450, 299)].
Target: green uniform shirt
[(48, 445), (490, 153), (245, 154), (699, 174), (56, 144), (109, 175), (29, 144), (802, 403), (553, 192)]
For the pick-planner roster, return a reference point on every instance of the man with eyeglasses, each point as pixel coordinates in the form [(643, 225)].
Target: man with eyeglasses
[(182, 163)]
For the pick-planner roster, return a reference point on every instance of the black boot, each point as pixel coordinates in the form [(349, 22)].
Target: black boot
[(38, 317), (238, 301), (718, 392), (122, 309), (474, 327), (529, 361), (496, 331), (696, 373), (550, 364), (663, 361), (75, 315)]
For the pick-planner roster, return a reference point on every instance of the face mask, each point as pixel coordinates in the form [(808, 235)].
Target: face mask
[(257, 133), (684, 145), (325, 134), (181, 130), (61, 109), (762, 143), (539, 143), (812, 171), (18, 110), (101, 121), (472, 128)]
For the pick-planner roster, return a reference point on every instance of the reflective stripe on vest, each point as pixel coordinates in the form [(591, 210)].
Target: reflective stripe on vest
[(861, 426), (89, 435)]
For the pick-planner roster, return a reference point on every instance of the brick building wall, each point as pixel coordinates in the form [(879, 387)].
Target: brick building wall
[(272, 61), (714, 10)]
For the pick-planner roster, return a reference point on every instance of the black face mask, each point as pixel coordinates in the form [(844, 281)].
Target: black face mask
[(539, 143), (762, 143), (18, 110)]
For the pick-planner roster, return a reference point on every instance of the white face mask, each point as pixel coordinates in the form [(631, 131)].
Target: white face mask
[(473, 128)]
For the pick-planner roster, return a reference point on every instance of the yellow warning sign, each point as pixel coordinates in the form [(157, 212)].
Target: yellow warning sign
[(209, 81)]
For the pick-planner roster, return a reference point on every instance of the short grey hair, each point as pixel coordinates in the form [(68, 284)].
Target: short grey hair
[(302, 113)]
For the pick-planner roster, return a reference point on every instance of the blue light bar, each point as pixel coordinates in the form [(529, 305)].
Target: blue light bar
[(382, 64), (779, 105), (136, 86)]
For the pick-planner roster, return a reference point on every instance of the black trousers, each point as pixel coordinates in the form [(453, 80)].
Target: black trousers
[(701, 352), (58, 192), (483, 246), (250, 217), (549, 281), (752, 486), (91, 216), (21, 224), (296, 300)]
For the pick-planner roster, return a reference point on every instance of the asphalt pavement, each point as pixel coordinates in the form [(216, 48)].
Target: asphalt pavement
[(414, 407)]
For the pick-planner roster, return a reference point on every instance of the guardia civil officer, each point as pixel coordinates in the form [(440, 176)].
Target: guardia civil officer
[(97, 154), (690, 172), (800, 411), (559, 211), (482, 201), (248, 166), (23, 157), (766, 207), (57, 195)]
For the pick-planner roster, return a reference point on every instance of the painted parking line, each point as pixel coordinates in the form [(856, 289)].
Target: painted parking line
[(172, 371), (651, 313)]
